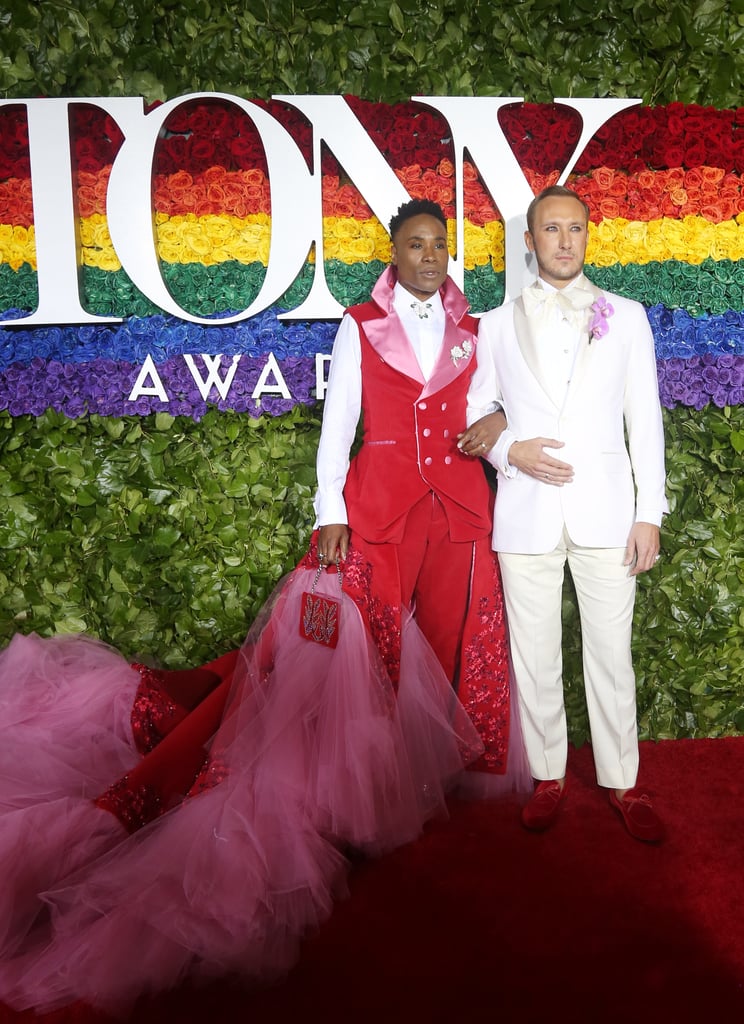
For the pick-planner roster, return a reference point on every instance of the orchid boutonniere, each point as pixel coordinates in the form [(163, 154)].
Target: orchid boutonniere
[(601, 311), (461, 351)]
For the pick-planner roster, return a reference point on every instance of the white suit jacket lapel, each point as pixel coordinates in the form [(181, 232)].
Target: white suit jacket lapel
[(528, 346), (585, 351)]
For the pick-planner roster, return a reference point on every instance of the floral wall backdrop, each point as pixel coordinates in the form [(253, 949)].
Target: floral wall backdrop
[(162, 527)]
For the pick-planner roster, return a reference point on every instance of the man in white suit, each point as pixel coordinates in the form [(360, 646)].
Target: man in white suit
[(574, 370)]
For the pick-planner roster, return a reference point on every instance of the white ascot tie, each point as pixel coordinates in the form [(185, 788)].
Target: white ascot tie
[(570, 303)]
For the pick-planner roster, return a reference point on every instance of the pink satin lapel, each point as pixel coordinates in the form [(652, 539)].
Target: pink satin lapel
[(390, 341), (445, 368)]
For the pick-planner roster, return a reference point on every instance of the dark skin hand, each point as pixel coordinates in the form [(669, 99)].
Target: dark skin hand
[(333, 538), (333, 543), (482, 435)]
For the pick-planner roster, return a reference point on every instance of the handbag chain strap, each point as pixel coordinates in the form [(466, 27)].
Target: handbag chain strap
[(320, 570)]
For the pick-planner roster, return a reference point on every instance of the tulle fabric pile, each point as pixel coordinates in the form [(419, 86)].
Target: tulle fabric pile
[(315, 752)]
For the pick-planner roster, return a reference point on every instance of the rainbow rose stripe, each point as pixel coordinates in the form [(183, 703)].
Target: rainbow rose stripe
[(664, 186)]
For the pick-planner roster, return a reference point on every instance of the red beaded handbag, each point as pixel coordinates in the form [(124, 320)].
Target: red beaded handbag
[(319, 614)]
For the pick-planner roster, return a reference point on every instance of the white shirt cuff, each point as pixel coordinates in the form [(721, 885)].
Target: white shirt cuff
[(644, 515)]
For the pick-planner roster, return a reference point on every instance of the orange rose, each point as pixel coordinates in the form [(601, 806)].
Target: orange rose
[(718, 211), (180, 181), (712, 174), (163, 201), (215, 193), (102, 182), (86, 178), (254, 176), (213, 174), (87, 202), (618, 187), (329, 185), (409, 176), (609, 208), (435, 192), (604, 176)]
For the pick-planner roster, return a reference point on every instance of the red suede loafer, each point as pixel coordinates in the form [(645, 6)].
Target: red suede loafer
[(639, 817), (541, 810)]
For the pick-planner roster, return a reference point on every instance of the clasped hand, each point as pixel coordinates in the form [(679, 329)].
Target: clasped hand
[(531, 458), (482, 435)]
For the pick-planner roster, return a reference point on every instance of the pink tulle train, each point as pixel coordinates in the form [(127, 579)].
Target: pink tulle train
[(317, 755)]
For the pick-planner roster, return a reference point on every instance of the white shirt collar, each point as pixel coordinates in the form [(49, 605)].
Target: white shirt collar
[(403, 301)]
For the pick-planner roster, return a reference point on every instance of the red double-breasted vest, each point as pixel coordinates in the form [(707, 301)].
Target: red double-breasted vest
[(409, 446)]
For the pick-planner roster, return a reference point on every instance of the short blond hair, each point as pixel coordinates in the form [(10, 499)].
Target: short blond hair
[(552, 191)]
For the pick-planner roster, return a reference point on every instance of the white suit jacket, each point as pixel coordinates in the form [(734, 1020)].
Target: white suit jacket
[(613, 390)]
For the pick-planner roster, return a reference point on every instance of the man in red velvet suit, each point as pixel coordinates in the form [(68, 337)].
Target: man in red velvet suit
[(411, 502)]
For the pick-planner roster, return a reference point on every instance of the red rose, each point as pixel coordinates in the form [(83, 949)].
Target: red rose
[(200, 151), (247, 151)]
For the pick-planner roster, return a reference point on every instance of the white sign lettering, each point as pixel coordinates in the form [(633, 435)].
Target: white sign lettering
[(296, 207)]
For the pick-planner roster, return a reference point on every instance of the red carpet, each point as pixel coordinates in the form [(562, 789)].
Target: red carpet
[(482, 921)]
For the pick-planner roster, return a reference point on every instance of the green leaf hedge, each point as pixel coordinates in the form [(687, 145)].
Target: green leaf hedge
[(164, 536), (539, 49)]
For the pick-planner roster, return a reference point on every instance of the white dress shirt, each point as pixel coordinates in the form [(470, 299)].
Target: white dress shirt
[(557, 340), (343, 400)]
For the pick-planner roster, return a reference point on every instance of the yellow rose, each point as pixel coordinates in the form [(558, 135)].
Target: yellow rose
[(601, 248), (380, 239), (657, 246), (217, 229), (698, 239), (216, 255), (252, 243), (169, 252), (728, 241), (634, 243), (477, 250), (108, 260), (341, 229), (359, 250), (196, 245), (18, 246), (168, 233), (494, 230)]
